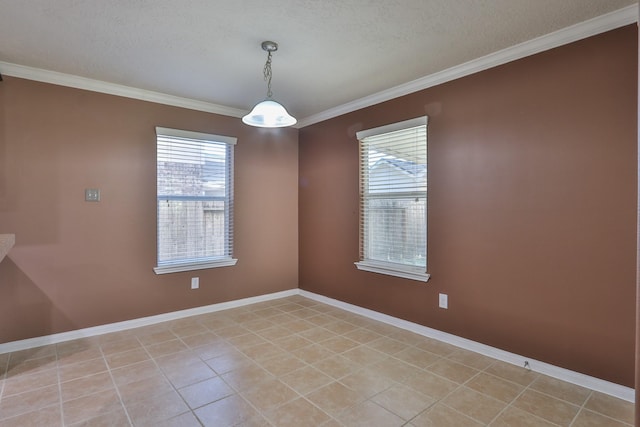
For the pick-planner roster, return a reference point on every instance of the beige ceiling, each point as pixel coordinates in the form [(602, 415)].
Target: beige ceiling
[(332, 52)]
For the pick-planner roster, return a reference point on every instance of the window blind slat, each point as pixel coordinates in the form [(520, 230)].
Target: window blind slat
[(195, 197), (393, 194)]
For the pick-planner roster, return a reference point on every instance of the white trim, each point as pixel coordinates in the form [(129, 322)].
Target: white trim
[(392, 270), (405, 124), (582, 30), (136, 323), (415, 127), (69, 80), (187, 134), (176, 268), (563, 374)]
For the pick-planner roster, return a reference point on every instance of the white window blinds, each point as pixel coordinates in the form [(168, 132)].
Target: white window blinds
[(194, 200), (393, 199)]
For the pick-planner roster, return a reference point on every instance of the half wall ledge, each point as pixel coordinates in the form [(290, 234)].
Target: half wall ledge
[(6, 243)]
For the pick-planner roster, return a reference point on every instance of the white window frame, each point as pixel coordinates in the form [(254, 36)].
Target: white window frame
[(375, 266), (227, 260)]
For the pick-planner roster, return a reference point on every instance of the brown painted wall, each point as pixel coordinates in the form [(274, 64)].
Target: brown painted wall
[(637, 366), (78, 264), (531, 207)]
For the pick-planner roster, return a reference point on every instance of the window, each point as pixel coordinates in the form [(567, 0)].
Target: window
[(195, 200), (393, 199)]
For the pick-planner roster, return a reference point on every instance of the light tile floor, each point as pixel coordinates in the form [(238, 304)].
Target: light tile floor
[(288, 362)]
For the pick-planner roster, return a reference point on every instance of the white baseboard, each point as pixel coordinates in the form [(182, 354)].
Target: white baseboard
[(563, 374), (612, 389), (136, 323)]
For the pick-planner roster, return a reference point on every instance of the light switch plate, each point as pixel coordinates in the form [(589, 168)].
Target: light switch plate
[(91, 195)]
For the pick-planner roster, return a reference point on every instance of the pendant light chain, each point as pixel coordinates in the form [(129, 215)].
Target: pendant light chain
[(269, 113), (267, 74)]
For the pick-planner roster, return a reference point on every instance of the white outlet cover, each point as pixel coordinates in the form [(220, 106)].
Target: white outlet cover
[(195, 282), (443, 301)]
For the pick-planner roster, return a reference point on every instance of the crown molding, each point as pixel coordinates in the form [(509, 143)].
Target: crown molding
[(600, 24), (69, 80), (582, 30)]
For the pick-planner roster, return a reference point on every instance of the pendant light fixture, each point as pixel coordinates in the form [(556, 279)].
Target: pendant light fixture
[(269, 113)]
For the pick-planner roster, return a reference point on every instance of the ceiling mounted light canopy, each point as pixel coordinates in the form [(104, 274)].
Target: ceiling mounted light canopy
[(269, 113)]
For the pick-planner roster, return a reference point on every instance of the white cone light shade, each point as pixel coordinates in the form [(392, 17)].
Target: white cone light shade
[(269, 114)]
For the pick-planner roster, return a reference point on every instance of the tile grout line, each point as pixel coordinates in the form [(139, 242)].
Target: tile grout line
[(6, 377), (404, 421), (290, 311), (584, 408), (102, 357), (441, 400), (584, 404), (310, 365), (553, 396), (461, 385), (4, 382), (510, 404), (3, 377), (298, 394), (581, 406), (240, 323), (249, 331), (237, 392), (175, 389), (59, 381), (306, 365), (425, 369), (334, 380), (115, 386), (401, 383)]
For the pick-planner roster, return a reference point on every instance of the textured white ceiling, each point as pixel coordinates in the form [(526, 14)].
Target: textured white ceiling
[(331, 51)]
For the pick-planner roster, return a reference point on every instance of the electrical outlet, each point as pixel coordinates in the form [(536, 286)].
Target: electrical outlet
[(195, 282), (91, 195), (443, 301)]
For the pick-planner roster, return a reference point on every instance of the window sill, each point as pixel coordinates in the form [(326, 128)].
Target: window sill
[(393, 270), (175, 268)]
